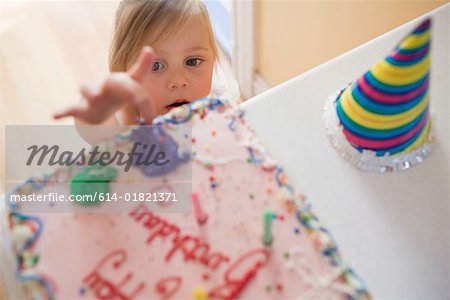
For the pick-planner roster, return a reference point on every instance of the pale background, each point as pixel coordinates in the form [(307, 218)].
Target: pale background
[(295, 36), (393, 229), (47, 49)]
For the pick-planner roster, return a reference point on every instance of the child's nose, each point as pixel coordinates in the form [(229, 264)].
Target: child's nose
[(178, 80)]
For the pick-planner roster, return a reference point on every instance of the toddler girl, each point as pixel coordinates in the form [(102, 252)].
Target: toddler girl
[(162, 56)]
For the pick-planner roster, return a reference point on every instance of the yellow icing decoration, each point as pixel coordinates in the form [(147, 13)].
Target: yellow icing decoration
[(199, 293)]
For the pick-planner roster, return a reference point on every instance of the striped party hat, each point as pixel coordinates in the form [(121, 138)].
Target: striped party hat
[(381, 121)]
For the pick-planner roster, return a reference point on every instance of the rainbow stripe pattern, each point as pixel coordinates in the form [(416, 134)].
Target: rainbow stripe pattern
[(387, 109)]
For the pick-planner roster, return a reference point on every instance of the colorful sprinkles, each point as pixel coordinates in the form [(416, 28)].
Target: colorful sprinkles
[(303, 212), (25, 258)]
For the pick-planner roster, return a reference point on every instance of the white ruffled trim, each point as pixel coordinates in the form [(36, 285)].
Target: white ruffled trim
[(367, 160)]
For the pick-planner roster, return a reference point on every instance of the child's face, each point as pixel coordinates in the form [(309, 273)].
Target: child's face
[(183, 67)]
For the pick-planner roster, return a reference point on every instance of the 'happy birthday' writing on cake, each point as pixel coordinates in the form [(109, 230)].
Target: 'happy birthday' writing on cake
[(236, 275)]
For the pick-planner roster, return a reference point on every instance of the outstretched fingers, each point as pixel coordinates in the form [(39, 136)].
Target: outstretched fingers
[(75, 111), (122, 87), (117, 90), (141, 68), (88, 93), (143, 65)]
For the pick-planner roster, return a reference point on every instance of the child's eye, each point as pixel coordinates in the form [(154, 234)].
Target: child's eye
[(157, 66), (193, 62)]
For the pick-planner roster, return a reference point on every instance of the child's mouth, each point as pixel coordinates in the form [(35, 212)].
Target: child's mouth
[(177, 103)]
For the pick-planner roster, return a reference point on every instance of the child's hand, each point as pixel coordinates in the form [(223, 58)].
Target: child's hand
[(116, 91)]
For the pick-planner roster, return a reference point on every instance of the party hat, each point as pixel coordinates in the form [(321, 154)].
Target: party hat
[(381, 121)]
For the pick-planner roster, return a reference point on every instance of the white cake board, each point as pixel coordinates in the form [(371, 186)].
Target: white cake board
[(394, 228)]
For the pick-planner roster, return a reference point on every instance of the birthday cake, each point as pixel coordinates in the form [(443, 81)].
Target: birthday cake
[(381, 121), (244, 233)]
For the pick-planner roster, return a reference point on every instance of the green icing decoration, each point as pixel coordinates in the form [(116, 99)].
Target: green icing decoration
[(92, 181), (33, 261)]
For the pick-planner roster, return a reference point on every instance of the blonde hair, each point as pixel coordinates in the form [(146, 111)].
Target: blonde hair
[(137, 20)]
